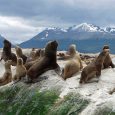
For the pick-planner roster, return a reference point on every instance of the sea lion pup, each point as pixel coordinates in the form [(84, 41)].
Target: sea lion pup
[(42, 53), (20, 54), (30, 63), (94, 68), (33, 56), (37, 54), (20, 70), (73, 66), (7, 76), (7, 54), (47, 62), (86, 58), (32, 53), (108, 61)]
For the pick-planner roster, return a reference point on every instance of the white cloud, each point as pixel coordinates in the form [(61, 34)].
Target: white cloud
[(90, 4), (17, 29), (23, 19)]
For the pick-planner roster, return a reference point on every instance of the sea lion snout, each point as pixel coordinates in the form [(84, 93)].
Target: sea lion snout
[(105, 47), (54, 42), (8, 62), (106, 51), (20, 61)]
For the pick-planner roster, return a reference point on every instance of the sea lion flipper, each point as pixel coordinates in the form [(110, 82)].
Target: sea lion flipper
[(112, 65)]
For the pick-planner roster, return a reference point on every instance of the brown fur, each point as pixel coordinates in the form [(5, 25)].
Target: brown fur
[(86, 58), (42, 53), (94, 68), (70, 54), (37, 54), (108, 61), (20, 70), (88, 61), (7, 54), (30, 63), (72, 66), (20, 54), (7, 76), (47, 62), (32, 53)]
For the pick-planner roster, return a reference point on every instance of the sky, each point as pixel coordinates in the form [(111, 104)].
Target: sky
[(20, 20)]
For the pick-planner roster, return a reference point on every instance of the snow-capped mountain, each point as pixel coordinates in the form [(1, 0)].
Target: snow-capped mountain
[(84, 27), (83, 34), (81, 31), (49, 33), (110, 30)]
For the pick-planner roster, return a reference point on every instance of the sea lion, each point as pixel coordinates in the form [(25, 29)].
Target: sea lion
[(108, 61), (94, 68), (34, 55), (86, 58), (20, 70), (30, 63), (42, 53), (7, 54), (37, 54), (20, 54), (73, 66), (47, 62), (70, 54), (7, 76)]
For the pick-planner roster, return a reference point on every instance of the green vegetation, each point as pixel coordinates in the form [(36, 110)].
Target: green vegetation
[(72, 104), (24, 100)]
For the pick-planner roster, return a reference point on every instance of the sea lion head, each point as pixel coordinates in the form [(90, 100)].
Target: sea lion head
[(18, 51), (37, 53), (33, 49), (51, 47), (19, 61), (72, 49), (100, 59), (105, 51), (105, 47), (7, 44), (8, 64)]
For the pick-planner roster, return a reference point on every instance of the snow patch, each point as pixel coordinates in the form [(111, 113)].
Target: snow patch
[(86, 27)]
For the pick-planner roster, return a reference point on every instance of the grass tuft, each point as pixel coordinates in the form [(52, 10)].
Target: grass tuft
[(24, 100), (72, 104)]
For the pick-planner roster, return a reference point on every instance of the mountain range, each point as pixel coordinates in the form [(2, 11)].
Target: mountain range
[(87, 37)]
